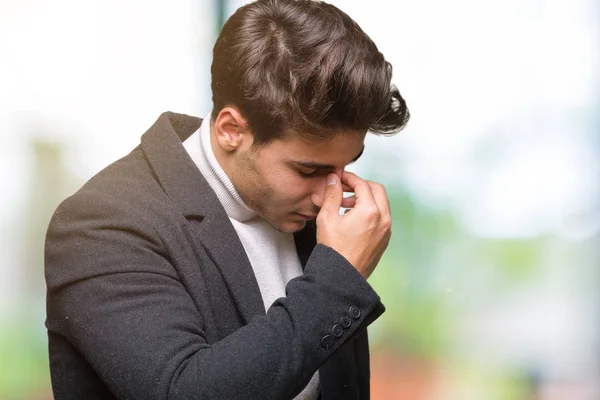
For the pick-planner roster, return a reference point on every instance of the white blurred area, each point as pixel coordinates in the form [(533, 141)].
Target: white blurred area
[(514, 76), (92, 76), (505, 133), (99, 71)]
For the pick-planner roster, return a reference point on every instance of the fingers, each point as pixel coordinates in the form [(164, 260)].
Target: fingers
[(360, 187), (349, 202), (380, 197), (366, 191), (332, 200)]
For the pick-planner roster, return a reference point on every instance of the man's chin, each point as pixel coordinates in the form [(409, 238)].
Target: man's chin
[(289, 226)]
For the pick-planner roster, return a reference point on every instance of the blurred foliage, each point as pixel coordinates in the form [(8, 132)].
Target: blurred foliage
[(518, 259), (432, 257), (474, 381), (415, 321), (24, 370)]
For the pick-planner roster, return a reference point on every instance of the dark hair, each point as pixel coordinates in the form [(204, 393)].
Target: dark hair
[(303, 66)]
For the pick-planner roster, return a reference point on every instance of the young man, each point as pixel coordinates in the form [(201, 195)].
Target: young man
[(212, 261)]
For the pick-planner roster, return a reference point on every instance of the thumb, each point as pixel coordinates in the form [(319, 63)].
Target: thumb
[(332, 200)]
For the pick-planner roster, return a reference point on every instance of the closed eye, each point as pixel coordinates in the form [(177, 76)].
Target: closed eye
[(307, 173)]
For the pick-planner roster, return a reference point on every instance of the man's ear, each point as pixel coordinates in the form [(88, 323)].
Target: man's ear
[(231, 129)]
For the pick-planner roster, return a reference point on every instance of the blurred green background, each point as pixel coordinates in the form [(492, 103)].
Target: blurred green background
[(491, 279)]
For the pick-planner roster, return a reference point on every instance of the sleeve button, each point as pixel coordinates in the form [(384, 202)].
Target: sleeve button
[(337, 330), (345, 321), (326, 341), (354, 312)]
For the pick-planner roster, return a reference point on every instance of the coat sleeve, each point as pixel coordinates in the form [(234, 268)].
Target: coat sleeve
[(114, 295)]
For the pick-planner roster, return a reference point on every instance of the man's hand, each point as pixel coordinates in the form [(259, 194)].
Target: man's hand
[(362, 234)]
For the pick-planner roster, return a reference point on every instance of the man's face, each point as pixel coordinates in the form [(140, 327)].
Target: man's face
[(284, 181)]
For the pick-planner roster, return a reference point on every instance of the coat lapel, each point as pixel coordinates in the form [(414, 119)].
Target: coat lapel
[(222, 244), (184, 184)]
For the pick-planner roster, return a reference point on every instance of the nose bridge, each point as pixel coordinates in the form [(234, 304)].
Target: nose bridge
[(318, 193)]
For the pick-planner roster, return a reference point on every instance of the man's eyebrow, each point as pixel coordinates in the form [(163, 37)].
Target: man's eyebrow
[(316, 165)]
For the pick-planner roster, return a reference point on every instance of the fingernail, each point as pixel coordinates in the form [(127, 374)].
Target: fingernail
[(331, 179)]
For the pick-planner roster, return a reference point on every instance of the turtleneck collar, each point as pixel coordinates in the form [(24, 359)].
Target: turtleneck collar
[(200, 150)]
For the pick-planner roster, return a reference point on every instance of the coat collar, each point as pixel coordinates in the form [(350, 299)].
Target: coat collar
[(174, 169)]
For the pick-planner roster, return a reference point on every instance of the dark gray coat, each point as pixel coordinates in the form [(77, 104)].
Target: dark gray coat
[(151, 295)]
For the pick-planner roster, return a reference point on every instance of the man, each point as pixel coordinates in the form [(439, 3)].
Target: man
[(194, 267)]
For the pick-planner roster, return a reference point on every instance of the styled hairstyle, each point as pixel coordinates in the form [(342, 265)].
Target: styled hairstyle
[(306, 67)]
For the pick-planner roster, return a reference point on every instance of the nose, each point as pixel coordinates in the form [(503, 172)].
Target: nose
[(318, 195)]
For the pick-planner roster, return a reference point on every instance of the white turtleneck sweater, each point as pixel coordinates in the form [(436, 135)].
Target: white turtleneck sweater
[(272, 254)]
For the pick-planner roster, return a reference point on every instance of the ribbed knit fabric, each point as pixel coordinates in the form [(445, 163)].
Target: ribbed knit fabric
[(272, 254)]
